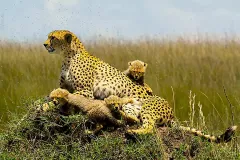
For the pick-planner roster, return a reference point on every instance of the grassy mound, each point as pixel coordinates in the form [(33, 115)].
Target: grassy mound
[(51, 135)]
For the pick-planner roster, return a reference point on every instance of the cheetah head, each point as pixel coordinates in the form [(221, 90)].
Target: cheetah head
[(113, 102), (137, 69), (59, 95), (136, 75), (58, 40)]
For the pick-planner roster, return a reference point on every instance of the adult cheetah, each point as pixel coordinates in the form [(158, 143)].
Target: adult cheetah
[(90, 76)]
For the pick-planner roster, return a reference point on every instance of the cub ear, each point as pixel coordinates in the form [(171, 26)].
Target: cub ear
[(145, 64), (68, 38), (129, 63)]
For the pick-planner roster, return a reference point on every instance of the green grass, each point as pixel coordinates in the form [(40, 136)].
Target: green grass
[(26, 72)]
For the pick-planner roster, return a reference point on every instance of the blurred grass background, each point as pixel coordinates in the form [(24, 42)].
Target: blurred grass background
[(175, 67)]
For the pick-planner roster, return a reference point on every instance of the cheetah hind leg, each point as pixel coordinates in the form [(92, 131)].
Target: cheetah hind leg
[(147, 127)]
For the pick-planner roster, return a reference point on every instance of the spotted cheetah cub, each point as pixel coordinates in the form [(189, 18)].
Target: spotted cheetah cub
[(96, 110), (136, 72), (128, 108)]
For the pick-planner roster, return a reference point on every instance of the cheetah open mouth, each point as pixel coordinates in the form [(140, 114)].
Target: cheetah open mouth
[(50, 48)]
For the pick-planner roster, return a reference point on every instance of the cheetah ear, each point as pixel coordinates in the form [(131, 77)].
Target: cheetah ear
[(129, 63), (68, 38), (145, 64)]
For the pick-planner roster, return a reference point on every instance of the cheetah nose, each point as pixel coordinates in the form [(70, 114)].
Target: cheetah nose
[(45, 45)]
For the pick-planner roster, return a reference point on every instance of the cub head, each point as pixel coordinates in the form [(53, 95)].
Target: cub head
[(137, 69), (59, 95), (113, 102), (58, 40)]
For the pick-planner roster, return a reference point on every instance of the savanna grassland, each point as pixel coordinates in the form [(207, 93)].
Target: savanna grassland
[(191, 75)]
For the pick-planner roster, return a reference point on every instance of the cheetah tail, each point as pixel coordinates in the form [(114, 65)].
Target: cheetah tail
[(225, 137)]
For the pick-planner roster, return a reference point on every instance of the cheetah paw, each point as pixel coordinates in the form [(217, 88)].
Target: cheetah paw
[(133, 119), (46, 107)]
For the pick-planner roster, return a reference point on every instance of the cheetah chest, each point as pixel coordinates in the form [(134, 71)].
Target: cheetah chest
[(66, 77)]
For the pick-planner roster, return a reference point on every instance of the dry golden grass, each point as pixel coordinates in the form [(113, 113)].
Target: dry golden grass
[(174, 67)]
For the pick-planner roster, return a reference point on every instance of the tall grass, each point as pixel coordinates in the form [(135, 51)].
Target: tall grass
[(176, 67)]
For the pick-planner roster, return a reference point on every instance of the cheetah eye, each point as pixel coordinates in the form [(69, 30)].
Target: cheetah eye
[(52, 38)]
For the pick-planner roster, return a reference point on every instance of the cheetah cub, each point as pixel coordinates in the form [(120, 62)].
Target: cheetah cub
[(128, 108), (96, 110), (99, 111), (136, 72)]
